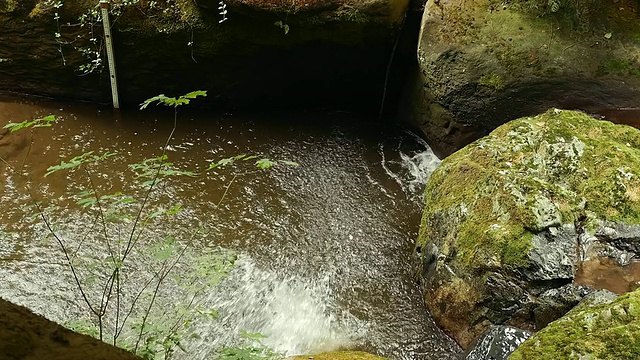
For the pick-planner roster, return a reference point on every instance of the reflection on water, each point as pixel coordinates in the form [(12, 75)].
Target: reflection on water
[(324, 248)]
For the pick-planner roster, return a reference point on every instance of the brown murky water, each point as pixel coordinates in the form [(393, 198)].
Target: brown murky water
[(627, 116), (605, 273), (324, 248)]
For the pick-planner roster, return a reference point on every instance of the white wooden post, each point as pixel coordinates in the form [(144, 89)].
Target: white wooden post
[(104, 8)]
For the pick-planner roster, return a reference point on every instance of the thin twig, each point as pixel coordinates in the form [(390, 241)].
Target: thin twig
[(226, 190), (59, 240), (131, 242)]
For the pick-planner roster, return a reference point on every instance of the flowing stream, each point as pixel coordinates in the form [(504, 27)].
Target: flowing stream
[(323, 250)]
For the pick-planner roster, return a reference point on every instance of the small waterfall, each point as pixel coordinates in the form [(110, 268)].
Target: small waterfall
[(412, 170)]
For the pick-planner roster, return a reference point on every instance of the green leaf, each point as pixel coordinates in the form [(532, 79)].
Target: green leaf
[(265, 163), (166, 250), (155, 214), (222, 162), (77, 161), (171, 101), (175, 209), (159, 98), (41, 122), (87, 202), (195, 94)]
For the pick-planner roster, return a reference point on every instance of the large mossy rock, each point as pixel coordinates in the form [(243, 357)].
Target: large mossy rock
[(509, 219), (485, 62), (265, 54), (608, 329)]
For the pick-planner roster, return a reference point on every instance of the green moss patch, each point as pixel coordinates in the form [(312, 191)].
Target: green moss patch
[(493, 81), (526, 176), (620, 67), (605, 331), (543, 37)]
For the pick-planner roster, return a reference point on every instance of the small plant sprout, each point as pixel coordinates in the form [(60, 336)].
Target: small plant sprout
[(223, 11)]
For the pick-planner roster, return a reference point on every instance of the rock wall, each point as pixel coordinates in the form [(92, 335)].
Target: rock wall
[(266, 54), (485, 62)]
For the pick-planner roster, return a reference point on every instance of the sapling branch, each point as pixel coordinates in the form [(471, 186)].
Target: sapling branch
[(49, 227)]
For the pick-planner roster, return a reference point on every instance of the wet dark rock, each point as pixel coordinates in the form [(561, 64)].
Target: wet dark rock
[(555, 302), (554, 254), (497, 343), (622, 236), (483, 64)]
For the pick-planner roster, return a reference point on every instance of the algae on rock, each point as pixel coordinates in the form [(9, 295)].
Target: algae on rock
[(607, 331), (506, 216)]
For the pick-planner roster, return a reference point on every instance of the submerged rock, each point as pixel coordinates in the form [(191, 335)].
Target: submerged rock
[(509, 219), (601, 327), (497, 343), (266, 53), (484, 62)]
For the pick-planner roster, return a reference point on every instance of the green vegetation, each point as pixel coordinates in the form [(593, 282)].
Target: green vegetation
[(9, 5), (351, 14), (128, 236), (528, 175), (620, 67), (542, 38), (493, 81), (253, 349), (608, 331), (82, 19)]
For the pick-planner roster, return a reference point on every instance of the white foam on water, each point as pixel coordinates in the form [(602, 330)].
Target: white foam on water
[(419, 167), (412, 170), (296, 315)]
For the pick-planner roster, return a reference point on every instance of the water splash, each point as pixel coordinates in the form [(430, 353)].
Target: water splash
[(297, 316), (413, 169), (327, 245)]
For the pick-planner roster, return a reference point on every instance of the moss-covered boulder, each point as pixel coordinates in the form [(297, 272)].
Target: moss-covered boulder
[(485, 62), (509, 219), (259, 53), (339, 355), (608, 330)]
